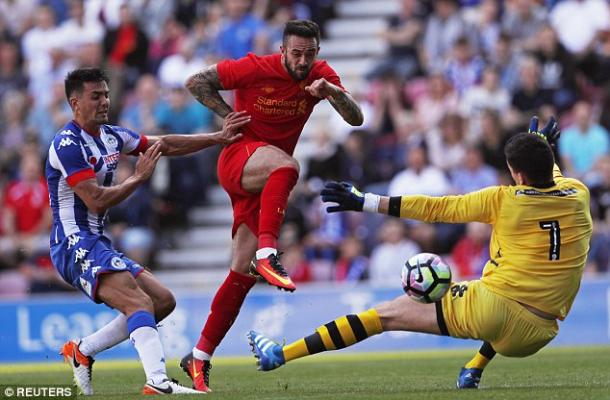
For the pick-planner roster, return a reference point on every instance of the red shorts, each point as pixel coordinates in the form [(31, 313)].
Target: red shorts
[(246, 205)]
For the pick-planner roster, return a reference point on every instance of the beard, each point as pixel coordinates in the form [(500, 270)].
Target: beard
[(297, 75)]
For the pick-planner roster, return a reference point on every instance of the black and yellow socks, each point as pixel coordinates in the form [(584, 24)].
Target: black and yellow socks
[(342, 332)]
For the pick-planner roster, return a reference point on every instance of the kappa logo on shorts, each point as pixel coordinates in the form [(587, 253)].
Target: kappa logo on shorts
[(72, 240), (458, 290), (118, 263), (80, 253), (94, 270), (86, 286), (84, 266)]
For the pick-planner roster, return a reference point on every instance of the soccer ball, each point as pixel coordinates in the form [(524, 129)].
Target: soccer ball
[(426, 277)]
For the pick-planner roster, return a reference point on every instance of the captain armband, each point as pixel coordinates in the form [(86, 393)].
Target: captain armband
[(394, 207)]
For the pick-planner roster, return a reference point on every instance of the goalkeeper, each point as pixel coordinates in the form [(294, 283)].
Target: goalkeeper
[(539, 244)]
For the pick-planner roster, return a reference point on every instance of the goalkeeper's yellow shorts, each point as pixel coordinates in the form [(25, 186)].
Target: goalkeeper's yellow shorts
[(471, 311)]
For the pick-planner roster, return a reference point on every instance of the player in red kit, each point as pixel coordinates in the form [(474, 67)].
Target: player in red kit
[(279, 91)]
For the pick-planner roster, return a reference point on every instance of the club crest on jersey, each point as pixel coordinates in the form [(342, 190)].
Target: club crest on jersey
[(118, 263), (268, 89), (110, 140), (66, 141)]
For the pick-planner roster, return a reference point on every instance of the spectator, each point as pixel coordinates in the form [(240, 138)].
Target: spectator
[(125, 49), (352, 264), (356, 163), (166, 43), (419, 177), (26, 212), (402, 36), (241, 30), (141, 112), (77, 30), (582, 143), (599, 255), (13, 130), (522, 20), (130, 221), (152, 14), (577, 22), (271, 39), (596, 64), (38, 41), (189, 177), (390, 255), (474, 174), (489, 95), (175, 69), (558, 69), (492, 141), (446, 145), (17, 15), (507, 60), (444, 27), (12, 77), (325, 160), (44, 57), (438, 100), (46, 119), (471, 252), (27, 220), (388, 104), (485, 19), (463, 67), (529, 96), (295, 263)]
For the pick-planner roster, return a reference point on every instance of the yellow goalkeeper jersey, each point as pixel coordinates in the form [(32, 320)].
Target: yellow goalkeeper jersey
[(539, 242)]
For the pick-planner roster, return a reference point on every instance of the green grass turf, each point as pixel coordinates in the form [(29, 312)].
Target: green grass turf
[(556, 373)]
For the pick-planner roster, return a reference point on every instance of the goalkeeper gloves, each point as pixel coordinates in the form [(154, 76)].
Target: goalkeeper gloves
[(550, 132), (348, 198)]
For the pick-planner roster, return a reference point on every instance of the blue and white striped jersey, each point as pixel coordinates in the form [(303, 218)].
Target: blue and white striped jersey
[(75, 156)]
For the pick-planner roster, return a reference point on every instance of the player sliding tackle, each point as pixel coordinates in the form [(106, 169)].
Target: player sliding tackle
[(540, 239)]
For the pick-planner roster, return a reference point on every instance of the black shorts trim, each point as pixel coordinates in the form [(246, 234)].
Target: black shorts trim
[(440, 318)]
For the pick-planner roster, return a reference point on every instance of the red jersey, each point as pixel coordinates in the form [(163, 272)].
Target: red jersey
[(278, 104), (29, 203)]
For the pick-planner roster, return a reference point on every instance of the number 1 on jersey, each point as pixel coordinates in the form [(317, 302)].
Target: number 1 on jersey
[(554, 237)]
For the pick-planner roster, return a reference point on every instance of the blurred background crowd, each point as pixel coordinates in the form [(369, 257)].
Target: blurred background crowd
[(445, 84)]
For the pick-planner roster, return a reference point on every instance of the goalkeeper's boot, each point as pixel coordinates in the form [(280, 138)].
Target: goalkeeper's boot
[(469, 378), (272, 271), (198, 371), (81, 366), (168, 387), (269, 353)]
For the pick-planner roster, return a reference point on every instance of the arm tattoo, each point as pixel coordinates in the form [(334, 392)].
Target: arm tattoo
[(347, 107), (204, 86)]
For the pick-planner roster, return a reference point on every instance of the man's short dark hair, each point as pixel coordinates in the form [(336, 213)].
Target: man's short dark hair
[(301, 28), (532, 156), (75, 80)]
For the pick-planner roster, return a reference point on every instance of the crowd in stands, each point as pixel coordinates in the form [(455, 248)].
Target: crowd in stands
[(457, 80)]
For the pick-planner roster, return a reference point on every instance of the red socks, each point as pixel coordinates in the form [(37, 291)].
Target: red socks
[(224, 309), (274, 198)]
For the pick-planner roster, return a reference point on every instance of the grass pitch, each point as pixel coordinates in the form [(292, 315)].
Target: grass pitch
[(556, 373)]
